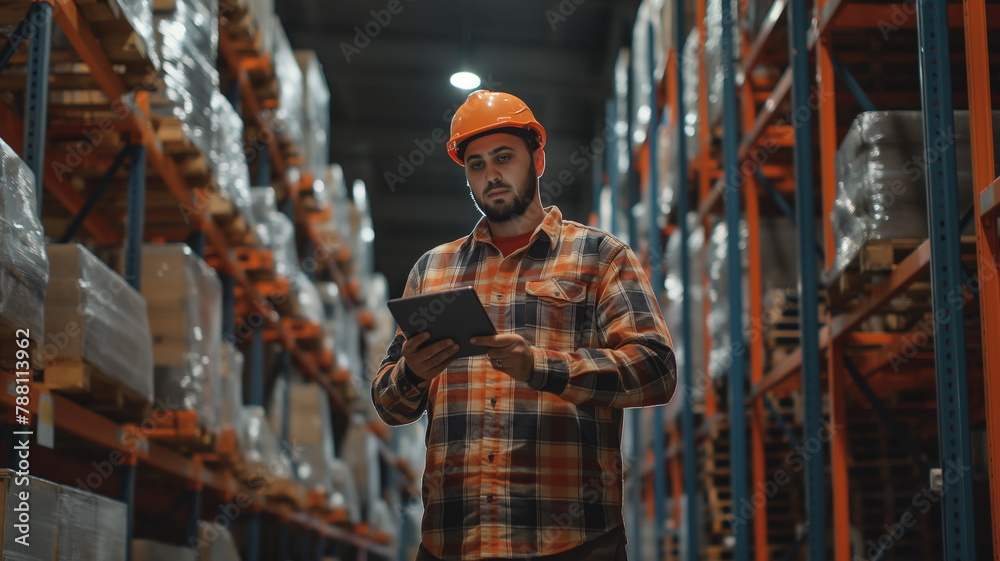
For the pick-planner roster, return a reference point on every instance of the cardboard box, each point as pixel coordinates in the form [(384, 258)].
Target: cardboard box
[(42, 503)]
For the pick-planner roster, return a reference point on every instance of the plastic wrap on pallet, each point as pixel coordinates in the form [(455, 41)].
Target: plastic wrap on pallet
[(231, 411), (310, 429), (364, 233), (44, 517), (139, 15), (880, 179), (263, 457), (184, 298), (91, 526), (360, 449), (692, 107), (286, 257), (263, 202), (307, 304), (667, 147), (345, 493), (229, 161), (675, 292), (713, 52), (215, 543), (24, 266), (289, 112), (721, 355), (188, 39), (382, 520), (98, 317), (643, 77), (316, 115), (333, 308), (148, 550)]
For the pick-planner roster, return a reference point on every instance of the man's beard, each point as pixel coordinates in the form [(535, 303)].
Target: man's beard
[(503, 212)]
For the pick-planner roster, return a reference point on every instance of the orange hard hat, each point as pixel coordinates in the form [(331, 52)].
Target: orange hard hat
[(484, 111)]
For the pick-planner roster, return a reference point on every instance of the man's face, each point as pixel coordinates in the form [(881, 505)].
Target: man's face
[(501, 175)]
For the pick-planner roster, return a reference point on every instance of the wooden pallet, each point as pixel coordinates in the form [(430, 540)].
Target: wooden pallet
[(874, 262), (87, 384), (182, 430)]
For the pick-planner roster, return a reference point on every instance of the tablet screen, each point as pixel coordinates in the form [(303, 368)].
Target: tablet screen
[(453, 314)]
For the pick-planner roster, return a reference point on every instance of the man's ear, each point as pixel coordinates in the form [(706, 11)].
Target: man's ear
[(539, 162)]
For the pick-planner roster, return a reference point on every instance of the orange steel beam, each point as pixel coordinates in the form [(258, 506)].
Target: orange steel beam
[(904, 16), (909, 270), (987, 244), (12, 131), (827, 117), (706, 167), (838, 452)]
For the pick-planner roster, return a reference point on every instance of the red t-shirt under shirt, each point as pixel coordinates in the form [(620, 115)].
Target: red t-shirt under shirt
[(511, 244)]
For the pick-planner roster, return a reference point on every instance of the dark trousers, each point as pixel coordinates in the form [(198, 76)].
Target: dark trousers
[(609, 547)]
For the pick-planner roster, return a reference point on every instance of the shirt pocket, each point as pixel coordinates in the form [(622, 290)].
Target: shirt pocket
[(555, 312)]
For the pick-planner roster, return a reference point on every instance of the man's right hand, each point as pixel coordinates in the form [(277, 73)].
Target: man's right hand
[(431, 360)]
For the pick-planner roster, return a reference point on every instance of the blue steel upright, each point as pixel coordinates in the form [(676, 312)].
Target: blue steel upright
[(656, 281), (812, 391), (946, 281), (690, 522), (737, 407), (37, 94), (135, 220)]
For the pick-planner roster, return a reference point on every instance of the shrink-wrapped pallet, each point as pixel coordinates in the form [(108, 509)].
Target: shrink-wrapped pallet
[(139, 15), (228, 159), (286, 256), (188, 40), (93, 315), (184, 299), (33, 539), (91, 526), (345, 494), (643, 76), (672, 312), (691, 95), (714, 28), (288, 115), (315, 116), (264, 459), (231, 406), (24, 266), (310, 429), (724, 350), (881, 192), (263, 202), (383, 521)]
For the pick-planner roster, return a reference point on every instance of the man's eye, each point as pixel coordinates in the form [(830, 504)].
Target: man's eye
[(503, 158), (476, 165)]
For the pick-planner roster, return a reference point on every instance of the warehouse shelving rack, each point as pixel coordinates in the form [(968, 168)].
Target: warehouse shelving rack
[(129, 440), (939, 255)]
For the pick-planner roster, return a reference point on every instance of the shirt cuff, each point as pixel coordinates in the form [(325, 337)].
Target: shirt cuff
[(408, 381), (550, 372)]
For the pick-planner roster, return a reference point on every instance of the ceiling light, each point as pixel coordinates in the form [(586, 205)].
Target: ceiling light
[(465, 80)]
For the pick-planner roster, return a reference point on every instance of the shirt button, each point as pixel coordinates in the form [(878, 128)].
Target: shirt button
[(491, 458), (493, 401), (499, 296), (489, 499)]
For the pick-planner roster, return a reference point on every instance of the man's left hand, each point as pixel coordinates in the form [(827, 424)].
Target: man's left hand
[(510, 354)]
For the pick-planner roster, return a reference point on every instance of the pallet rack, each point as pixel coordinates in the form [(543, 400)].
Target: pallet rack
[(206, 485), (821, 353)]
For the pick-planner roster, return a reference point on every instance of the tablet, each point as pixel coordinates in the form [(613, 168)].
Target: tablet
[(453, 314)]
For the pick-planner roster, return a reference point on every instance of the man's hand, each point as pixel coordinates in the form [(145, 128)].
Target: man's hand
[(431, 360), (509, 354)]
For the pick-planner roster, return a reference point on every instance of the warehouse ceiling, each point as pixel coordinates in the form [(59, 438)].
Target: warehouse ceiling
[(391, 101)]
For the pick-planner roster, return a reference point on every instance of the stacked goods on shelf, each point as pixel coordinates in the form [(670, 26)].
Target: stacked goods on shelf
[(147, 550), (24, 266), (334, 231), (247, 23), (360, 451), (287, 121), (188, 45), (266, 465), (723, 350), (184, 299), (383, 524), (781, 325), (715, 485), (384, 326), (99, 344), (713, 53), (783, 487), (227, 451), (229, 164), (315, 118), (341, 330), (672, 312), (310, 433), (881, 192), (263, 202), (215, 543), (90, 526), (66, 523), (692, 106)]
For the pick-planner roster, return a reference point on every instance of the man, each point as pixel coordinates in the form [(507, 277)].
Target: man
[(523, 443)]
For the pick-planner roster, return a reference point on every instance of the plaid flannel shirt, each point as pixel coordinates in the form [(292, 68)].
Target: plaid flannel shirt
[(518, 469)]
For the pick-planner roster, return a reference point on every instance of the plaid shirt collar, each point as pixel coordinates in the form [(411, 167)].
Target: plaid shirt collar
[(550, 227)]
